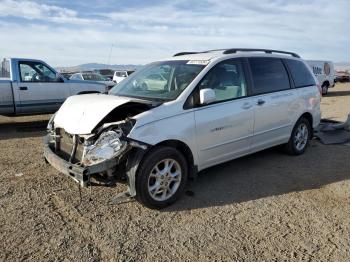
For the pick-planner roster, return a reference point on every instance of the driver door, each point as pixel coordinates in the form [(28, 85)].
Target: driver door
[(224, 128), (40, 91)]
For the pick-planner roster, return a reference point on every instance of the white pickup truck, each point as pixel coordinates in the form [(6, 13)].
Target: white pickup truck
[(29, 86)]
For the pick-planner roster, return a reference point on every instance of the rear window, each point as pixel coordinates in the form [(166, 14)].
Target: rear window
[(120, 74), (5, 69), (269, 75), (300, 73)]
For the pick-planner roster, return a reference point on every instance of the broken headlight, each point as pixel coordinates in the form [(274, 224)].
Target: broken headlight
[(107, 146), (50, 124)]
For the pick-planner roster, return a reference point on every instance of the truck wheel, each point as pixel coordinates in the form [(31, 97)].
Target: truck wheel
[(299, 138), (161, 177), (324, 89)]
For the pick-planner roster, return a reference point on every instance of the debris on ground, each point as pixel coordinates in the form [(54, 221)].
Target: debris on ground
[(333, 132)]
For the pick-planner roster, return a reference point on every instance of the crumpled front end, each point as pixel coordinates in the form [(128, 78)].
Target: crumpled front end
[(88, 138), (81, 156)]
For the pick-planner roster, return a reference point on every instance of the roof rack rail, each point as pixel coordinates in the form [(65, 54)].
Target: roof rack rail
[(200, 52), (186, 53), (267, 51)]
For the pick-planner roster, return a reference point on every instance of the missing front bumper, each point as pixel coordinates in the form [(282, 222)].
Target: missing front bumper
[(79, 173)]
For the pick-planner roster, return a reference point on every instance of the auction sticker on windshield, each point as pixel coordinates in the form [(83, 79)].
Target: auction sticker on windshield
[(198, 62)]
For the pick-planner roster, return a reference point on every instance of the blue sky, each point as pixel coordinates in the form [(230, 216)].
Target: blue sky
[(68, 33)]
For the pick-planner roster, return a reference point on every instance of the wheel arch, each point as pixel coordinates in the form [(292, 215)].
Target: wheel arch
[(184, 149), (326, 82), (309, 117), (137, 156)]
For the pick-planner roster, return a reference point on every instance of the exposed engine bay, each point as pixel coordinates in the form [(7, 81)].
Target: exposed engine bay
[(104, 154)]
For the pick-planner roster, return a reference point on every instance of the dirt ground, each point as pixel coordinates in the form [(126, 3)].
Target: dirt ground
[(264, 207)]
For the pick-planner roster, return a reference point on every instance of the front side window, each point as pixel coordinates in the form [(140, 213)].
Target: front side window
[(269, 75), (227, 80), (36, 72), (159, 81), (300, 73)]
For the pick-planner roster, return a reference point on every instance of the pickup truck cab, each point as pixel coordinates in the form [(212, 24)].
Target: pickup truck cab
[(29, 86)]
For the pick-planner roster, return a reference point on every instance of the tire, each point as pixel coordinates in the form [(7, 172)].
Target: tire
[(298, 144), (324, 89), (151, 184)]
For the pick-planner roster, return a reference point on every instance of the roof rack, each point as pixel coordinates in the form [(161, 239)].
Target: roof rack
[(267, 51), (186, 53), (235, 50)]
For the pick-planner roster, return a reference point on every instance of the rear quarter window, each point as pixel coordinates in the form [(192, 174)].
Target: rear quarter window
[(300, 73), (5, 69), (269, 75)]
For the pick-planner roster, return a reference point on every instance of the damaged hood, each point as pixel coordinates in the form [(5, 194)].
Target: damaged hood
[(80, 114)]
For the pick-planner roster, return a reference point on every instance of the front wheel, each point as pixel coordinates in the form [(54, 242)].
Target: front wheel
[(161, 177), (299, 138)]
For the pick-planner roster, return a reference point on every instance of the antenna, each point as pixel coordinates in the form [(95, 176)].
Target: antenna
[(110, 53)]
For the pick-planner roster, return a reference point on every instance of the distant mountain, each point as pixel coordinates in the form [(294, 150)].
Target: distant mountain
[(92, 66)]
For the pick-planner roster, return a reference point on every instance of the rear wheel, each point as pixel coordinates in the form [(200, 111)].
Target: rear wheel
[(161, 177), (325, 89), (299, 138)]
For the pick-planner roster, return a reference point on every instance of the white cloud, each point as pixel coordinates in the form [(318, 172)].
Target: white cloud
[(32, 10), (315, 29)]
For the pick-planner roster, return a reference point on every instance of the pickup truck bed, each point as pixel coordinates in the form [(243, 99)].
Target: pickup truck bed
[(6, 98)]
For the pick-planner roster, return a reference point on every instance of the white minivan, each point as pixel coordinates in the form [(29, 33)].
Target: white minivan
[(175, 117)]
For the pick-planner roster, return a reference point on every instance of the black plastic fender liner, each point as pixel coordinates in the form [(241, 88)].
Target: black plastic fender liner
[(133, 162)]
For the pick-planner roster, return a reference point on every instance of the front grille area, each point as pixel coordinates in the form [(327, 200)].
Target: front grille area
[(66, 146)]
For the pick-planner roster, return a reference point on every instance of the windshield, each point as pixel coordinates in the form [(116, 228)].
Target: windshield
[(158, 81)]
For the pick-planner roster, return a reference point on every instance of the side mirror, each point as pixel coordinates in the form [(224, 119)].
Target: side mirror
[(206, 96)]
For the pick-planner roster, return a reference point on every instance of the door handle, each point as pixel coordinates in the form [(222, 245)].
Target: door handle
[(260, 102), (23, 88), (246, 106)]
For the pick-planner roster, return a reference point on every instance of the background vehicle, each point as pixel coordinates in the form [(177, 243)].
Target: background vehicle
[(29, 86), (93, 77), (120, 75), (67, 75), (324, 72), (342, 76), (107, 73), (173, 118)]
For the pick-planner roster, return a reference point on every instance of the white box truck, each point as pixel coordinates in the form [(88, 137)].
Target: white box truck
[(324, 72)]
